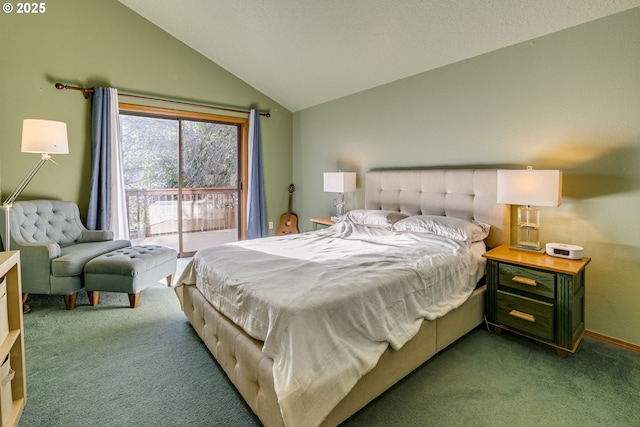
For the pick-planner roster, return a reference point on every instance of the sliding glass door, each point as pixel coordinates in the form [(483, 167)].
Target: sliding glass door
[(182, 176)]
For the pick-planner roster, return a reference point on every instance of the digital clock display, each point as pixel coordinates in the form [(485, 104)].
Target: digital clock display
[(560, 251)]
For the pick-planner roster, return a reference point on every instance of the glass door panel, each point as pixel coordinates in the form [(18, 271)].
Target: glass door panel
[(150, 163), (208, 184)]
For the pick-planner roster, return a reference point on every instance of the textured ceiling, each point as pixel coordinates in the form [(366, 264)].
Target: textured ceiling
[(305, 52)]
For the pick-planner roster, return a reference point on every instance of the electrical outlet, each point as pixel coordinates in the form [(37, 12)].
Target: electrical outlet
[(270, 225)]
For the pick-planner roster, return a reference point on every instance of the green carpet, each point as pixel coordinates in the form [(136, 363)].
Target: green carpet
[(489, 380), (111, 365), (114, 366)]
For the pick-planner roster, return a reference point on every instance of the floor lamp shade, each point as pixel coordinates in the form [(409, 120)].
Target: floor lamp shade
[(44, 136), (529, 189)]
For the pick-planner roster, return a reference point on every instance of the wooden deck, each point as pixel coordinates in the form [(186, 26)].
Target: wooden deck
[(192, 242)]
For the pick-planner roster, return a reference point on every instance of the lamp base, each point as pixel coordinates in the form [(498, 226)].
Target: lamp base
[(525, 248), (528, 238), (6, 244), (338, 202)]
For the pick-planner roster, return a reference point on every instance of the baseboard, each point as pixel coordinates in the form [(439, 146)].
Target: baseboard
[(614, 341)]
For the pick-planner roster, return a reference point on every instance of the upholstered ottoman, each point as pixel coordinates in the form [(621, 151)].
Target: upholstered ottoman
[(129, 270)]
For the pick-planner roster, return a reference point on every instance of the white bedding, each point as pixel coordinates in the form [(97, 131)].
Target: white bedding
[(327, 303)]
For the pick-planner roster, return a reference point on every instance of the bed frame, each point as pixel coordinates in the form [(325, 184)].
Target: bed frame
[(463, 193)]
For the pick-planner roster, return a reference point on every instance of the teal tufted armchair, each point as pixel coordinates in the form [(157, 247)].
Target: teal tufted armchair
[(54, 246)]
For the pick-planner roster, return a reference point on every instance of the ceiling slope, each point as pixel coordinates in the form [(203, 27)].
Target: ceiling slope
[(303, 53)]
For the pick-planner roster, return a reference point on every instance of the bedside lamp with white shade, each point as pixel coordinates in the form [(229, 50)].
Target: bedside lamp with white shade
[(340, 183), (45, 137), (529, 188)]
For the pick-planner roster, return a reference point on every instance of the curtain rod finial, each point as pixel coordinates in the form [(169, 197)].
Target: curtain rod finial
[(60, 86)]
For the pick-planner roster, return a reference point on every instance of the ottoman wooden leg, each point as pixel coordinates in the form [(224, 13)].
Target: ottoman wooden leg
[(70, 301), (134, 299), (94, 297), (169, 280)]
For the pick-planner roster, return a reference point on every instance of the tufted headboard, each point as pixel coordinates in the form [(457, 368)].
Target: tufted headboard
[(461, 193)]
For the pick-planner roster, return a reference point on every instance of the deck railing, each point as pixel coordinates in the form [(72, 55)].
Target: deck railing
[(154, 212)]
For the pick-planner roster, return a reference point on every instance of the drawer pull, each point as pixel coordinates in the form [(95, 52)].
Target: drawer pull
[(525, 281), (524, 316)]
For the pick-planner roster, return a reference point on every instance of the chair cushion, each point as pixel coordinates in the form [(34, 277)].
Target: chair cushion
[(73, 258)]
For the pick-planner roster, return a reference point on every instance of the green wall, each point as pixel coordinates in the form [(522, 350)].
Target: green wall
[(569, 100), (103, 43)]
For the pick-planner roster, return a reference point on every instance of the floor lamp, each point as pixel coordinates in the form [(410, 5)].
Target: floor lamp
[(38, 136)]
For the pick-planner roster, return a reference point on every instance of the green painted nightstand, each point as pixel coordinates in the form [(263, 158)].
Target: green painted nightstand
[(537, 296)]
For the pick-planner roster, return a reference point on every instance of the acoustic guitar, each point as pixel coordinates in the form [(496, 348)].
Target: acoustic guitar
[(288, 221)]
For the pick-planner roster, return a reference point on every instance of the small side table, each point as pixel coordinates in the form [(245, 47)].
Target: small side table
[(537, 295), (324, 220)]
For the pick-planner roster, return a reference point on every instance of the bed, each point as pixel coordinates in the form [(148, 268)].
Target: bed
[(250, 353)]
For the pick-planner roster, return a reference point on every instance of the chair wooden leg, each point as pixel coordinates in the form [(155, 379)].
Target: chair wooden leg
[(70, 301), (25, 307), (134, 299), (94, 297), (169, 280)]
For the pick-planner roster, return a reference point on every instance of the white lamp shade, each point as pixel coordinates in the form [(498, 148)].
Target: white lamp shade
[(44, 136), (530, 187), (339, 182)]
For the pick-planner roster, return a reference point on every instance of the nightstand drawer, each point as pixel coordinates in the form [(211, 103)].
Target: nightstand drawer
[(528, 280), (526, 314)]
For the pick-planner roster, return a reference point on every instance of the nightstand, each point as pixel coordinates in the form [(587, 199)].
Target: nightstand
[(537, 296), (324, 220)]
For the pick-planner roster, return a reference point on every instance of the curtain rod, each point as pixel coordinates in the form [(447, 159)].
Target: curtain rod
[(86, 91)]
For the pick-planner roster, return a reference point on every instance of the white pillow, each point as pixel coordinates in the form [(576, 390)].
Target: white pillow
[(374, 218), (447, 226)]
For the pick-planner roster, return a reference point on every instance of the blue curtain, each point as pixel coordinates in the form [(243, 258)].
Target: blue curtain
[(257, 212), (100, 194)]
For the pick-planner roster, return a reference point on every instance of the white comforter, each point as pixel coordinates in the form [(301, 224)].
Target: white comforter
[(328, 303)]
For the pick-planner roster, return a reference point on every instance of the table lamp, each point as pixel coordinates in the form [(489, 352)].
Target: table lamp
[(529, 188), (340, 183)]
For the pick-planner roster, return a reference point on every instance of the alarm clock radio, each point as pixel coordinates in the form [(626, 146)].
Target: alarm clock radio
[(563, 250)]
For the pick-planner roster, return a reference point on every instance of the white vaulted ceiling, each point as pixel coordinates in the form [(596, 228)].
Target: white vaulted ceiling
[(305, 52)]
